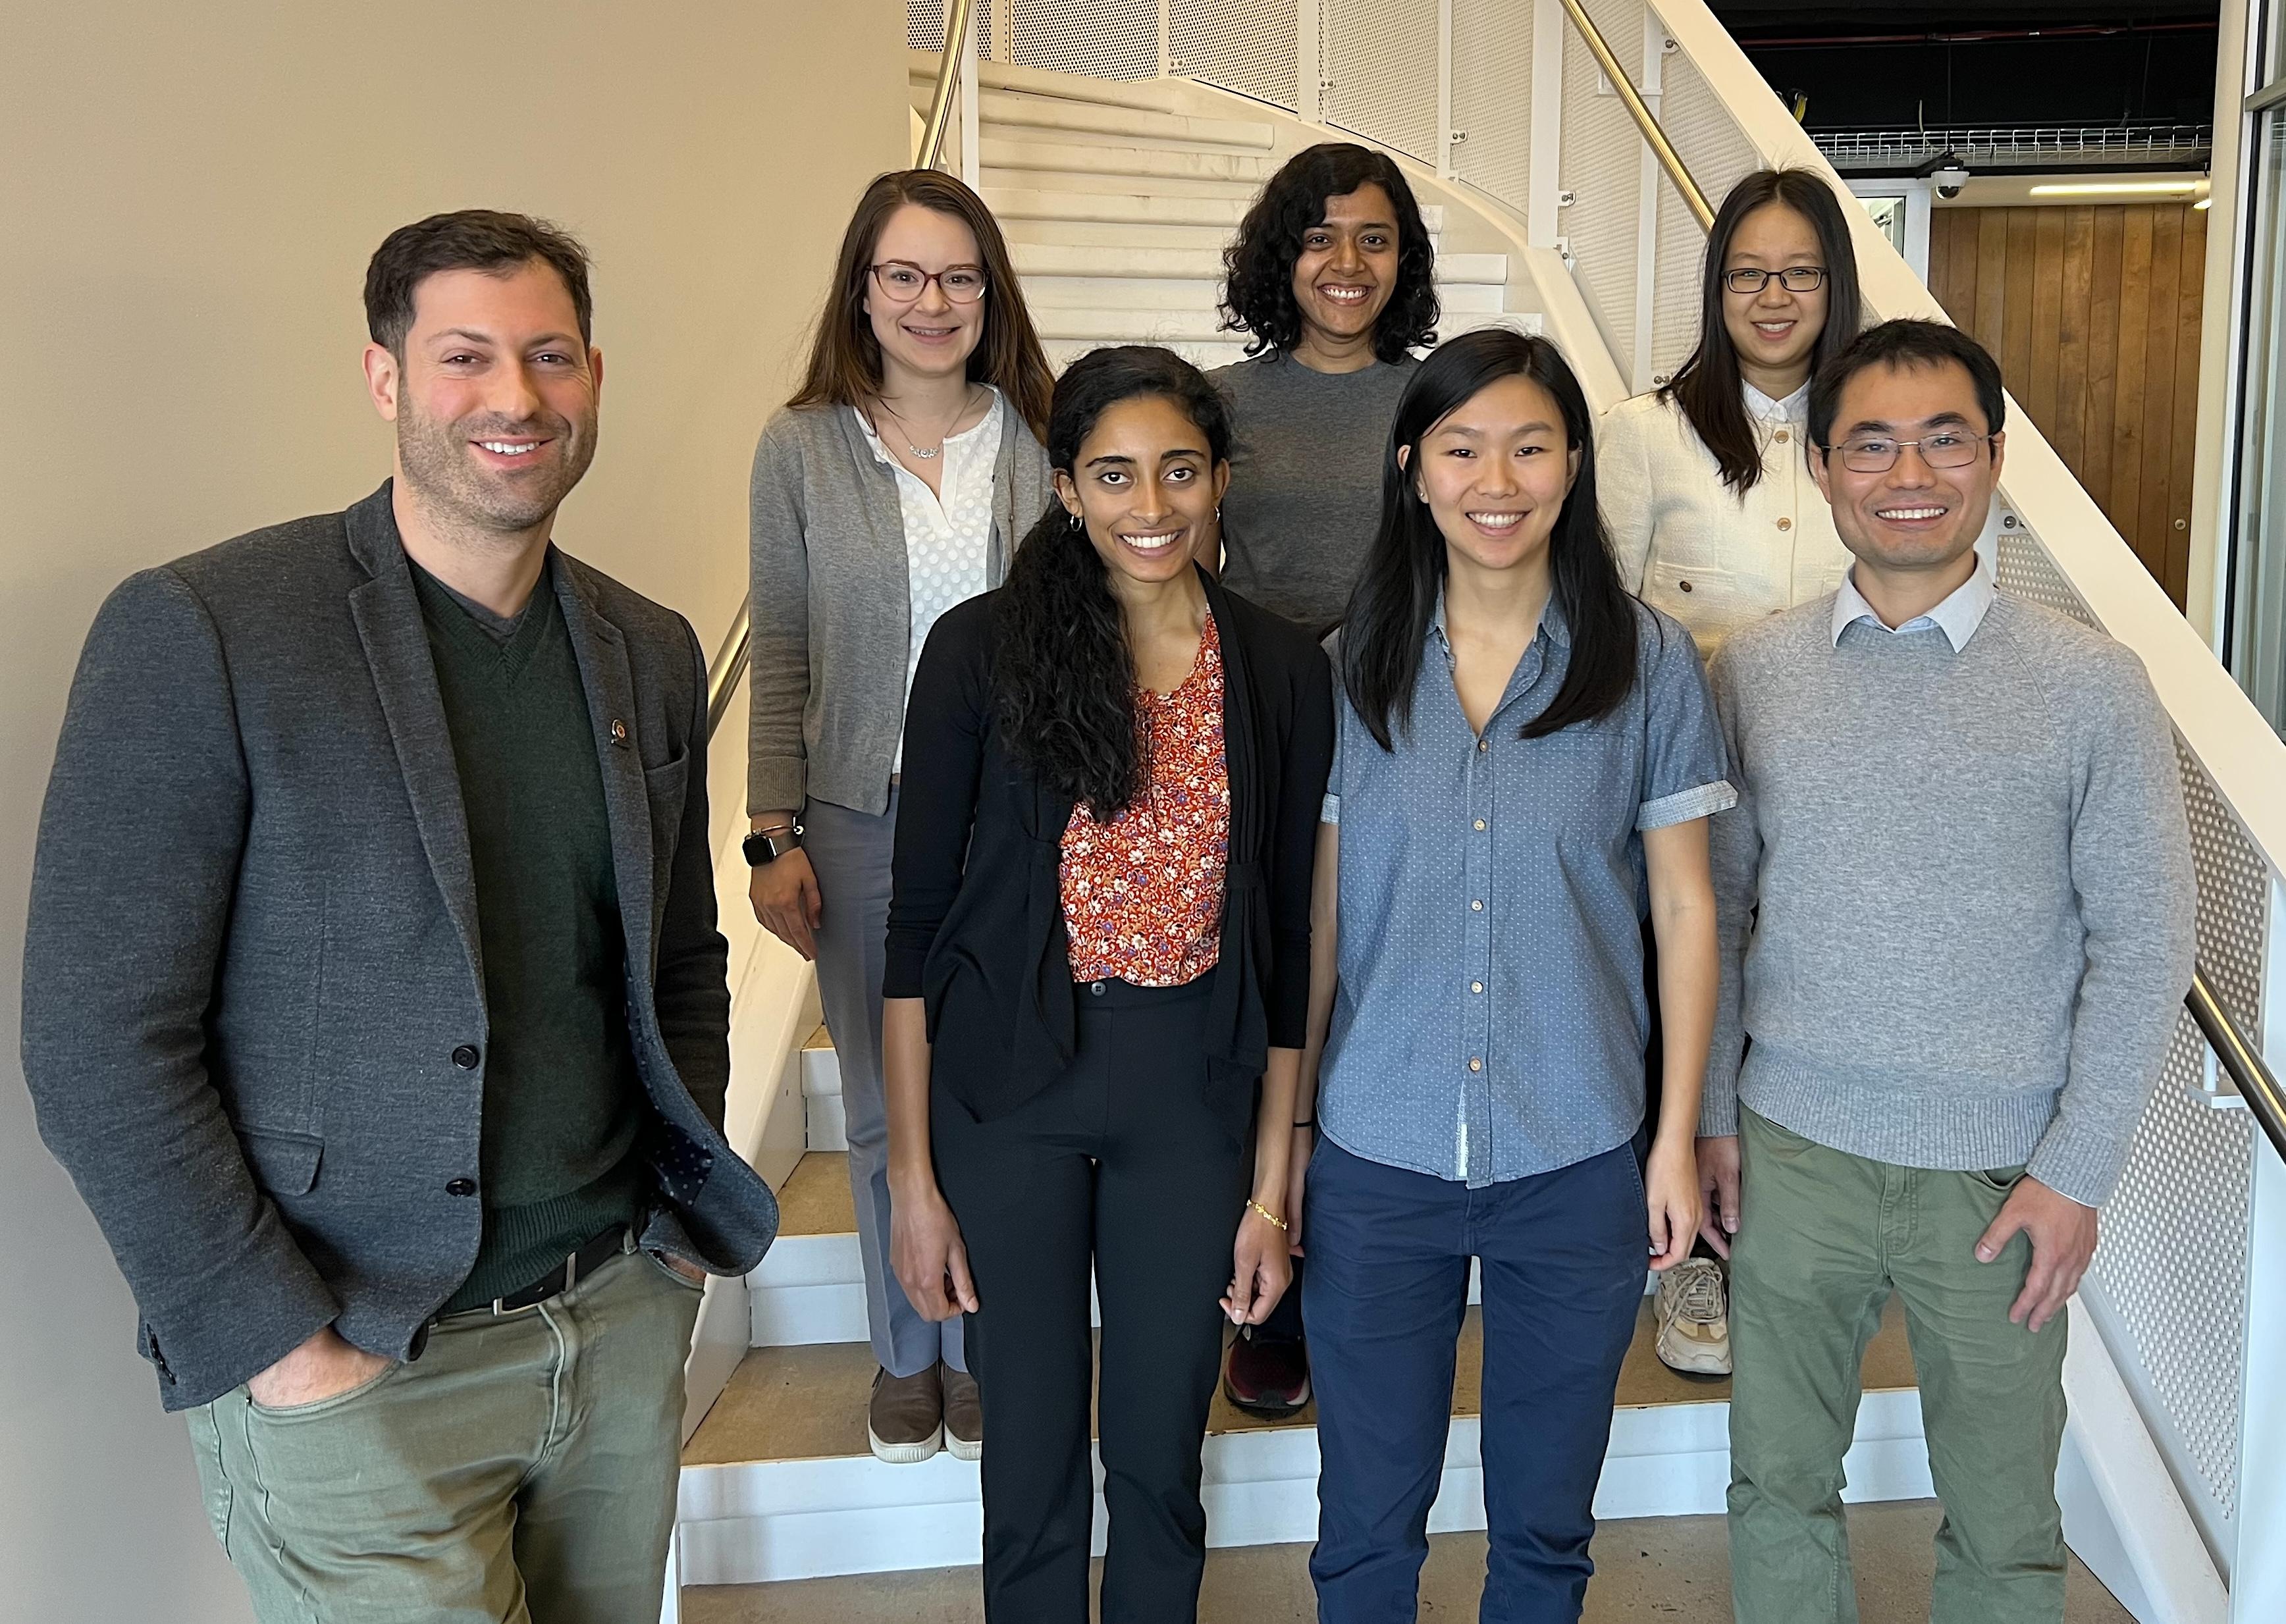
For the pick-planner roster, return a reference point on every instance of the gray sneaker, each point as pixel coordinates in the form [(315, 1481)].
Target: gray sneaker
[(1694, 1331), (905, 1421), (964, 1415)]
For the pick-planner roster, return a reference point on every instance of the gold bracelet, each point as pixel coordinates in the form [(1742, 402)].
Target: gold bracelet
[(1267, 1213)]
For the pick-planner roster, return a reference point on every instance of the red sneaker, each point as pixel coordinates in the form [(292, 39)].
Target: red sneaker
[(1267, 1375)]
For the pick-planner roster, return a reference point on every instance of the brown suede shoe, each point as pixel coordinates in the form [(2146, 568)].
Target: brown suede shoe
[(905, 1421), (964, 1415)]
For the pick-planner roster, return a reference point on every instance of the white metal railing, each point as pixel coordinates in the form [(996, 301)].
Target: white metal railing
[(1506, 100), (2021, 145)]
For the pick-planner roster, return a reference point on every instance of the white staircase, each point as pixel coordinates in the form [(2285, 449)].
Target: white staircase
[(778, 1483), (1117, 210)]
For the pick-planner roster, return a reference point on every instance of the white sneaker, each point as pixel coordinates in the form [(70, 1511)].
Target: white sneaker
[(1694, 1332)]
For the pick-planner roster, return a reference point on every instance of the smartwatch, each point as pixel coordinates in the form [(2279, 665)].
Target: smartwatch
[(767, 845)]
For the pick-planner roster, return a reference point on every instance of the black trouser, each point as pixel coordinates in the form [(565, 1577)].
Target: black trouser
[(1121, 1162)]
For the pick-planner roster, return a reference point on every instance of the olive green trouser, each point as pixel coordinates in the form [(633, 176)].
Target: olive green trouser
[(1824, 1238), (523, 1470)]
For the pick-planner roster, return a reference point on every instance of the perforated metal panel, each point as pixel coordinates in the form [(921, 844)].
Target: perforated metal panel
[(2022, 566), (1105, 39), (1717, 154), (1243, 45), (925, 25), (1380, 60), (1600, 165), (2172, 1268), (1492, 97)]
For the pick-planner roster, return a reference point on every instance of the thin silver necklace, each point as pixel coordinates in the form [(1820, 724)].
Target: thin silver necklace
[(905, 429)]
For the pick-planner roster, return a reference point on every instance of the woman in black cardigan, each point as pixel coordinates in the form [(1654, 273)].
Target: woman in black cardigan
[(1098, 975)]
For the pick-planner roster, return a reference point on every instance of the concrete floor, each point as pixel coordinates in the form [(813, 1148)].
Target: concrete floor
[(1675, 1570)]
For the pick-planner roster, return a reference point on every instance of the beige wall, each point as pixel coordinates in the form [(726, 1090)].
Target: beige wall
[(188, 194)]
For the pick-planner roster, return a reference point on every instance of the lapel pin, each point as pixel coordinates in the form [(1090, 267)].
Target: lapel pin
[(618, 732)]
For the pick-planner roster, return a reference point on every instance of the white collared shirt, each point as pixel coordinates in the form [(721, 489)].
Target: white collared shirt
[(948, 531), (1958, 616)]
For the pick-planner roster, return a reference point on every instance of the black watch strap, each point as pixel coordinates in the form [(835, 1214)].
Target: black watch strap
[(767, 845)]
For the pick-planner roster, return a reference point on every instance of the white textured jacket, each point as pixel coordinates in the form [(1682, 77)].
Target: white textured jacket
[(1689, 545)]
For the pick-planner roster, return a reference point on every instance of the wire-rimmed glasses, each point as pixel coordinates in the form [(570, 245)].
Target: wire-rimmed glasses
[(1877, 453), (1793, 279)]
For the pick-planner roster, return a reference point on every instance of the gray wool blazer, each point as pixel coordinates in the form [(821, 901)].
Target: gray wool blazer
[(832, 602), (254, 1016)]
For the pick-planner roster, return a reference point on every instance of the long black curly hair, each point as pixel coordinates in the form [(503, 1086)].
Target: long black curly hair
[(1063, 675), (1258, 296)]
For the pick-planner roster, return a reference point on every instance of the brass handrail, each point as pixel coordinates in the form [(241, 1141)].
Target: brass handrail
[(728, 664), (948, 72), (1653, 136), (2255, 1082)]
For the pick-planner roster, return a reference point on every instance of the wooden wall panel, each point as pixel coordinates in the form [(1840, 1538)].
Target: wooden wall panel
[(2093, 314)]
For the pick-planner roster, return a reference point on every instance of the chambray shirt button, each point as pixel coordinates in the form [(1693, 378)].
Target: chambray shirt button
[(1476, 1065), (1475, 986), (1480, 825), (1476, 907), (1483, 744)]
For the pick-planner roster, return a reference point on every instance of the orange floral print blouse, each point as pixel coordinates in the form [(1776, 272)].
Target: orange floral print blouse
[(1142, 895)]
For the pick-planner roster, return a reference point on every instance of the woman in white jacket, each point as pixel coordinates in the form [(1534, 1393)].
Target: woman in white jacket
[(1707, 488)]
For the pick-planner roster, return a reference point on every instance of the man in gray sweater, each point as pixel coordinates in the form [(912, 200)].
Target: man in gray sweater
[(372, 995), (1957, 913)]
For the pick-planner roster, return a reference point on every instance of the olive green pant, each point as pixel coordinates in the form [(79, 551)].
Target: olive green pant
[(1825, 1237), (523, 1470)]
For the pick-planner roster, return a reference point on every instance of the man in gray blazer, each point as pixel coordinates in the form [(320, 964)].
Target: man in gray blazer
[(374, 998)]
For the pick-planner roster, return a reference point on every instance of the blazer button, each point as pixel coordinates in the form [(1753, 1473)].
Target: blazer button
[(1682, 586), (1786, 523), (465, 1057), (461, 1187)]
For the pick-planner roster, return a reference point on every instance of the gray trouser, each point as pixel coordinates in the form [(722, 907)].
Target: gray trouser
[(523, 1470), (850, 852)]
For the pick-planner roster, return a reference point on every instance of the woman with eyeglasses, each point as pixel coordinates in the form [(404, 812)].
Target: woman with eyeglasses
[(1716, 520), (1707, 488), (891, 487)]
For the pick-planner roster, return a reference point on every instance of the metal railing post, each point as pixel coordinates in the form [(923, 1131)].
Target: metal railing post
[(1661, 147)]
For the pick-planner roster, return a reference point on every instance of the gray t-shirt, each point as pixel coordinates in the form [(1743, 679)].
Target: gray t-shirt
[(1305, 481)]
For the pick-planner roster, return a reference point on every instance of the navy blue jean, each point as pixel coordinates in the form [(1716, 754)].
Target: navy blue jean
[(1564, 1256)]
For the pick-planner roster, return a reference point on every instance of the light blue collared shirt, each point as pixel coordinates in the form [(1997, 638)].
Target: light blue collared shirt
[(1490, 1015), (1958, 616)]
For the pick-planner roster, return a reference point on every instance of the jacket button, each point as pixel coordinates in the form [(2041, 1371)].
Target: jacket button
[(465, 1057), (1781, 437), (1683, 585), (461, 1187), (1786, 523)]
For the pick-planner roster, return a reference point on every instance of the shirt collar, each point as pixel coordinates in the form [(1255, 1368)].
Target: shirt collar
[(1958, 616), (1551, 622), (1760, 405)]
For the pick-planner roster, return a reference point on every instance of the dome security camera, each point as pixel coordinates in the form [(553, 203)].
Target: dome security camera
[(1946, 172)]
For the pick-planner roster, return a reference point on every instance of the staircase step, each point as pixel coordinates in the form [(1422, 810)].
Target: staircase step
[(778, 1483), (1203, 264), (1014, 109), (1111, 182), (1122, 235), (1135, 207), (1001, 153), (1127, 325)]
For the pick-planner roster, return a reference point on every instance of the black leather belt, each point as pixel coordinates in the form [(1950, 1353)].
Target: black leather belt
[(610, 1244)]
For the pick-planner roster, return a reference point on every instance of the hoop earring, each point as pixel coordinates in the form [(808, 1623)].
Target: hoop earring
[(1074, 518)]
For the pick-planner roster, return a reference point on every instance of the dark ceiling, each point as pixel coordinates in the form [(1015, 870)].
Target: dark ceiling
[(2038, 62)]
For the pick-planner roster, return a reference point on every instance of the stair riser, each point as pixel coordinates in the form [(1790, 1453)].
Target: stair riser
[(1205, 326), (1158, 294), (755, 1524), (1117, 208), (1201, 265), (1111, 183), (1080, 158), (1002, 110)]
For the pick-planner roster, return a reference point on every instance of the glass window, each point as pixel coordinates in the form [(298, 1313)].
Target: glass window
[(2257, 616)]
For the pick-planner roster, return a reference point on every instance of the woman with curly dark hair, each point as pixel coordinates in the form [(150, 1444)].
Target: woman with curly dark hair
[(1098, 981), (1332, 278)]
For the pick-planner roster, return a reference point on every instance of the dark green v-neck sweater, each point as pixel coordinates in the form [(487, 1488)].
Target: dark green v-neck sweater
[(563, 1108)]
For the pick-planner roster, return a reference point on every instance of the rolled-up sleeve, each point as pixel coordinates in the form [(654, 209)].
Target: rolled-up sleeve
[(1684, 770)]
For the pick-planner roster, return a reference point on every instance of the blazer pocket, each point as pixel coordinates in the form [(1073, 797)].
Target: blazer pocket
[(283, 1163)]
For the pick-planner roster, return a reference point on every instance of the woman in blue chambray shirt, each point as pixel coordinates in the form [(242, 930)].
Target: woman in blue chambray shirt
[(1523, 750)]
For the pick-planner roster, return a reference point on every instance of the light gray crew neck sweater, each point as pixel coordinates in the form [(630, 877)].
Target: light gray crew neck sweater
[(1976, 906)]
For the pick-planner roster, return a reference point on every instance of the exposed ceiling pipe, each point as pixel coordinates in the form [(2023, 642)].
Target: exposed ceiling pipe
[(1978, 36)]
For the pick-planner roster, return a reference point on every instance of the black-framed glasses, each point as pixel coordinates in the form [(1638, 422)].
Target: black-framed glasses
[(1877, 453), (902, 281), (1793, 279)]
